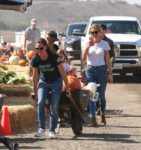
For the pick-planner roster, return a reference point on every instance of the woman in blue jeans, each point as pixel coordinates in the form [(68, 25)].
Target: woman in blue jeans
[(99, 69), (48, 73)]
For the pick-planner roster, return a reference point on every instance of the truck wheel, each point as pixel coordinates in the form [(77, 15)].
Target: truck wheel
[(76, 123), (138, 75)]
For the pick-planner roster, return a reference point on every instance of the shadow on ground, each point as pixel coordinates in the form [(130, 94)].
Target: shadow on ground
[(25, 141), (119, 113), (123, 138), (127, 79)]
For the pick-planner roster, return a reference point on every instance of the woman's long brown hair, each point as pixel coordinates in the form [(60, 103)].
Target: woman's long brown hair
[(48, 50)]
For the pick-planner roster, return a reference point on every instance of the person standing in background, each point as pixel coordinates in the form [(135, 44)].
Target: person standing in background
[(4, 49), (32, 34), (53, 40), (103, 31)]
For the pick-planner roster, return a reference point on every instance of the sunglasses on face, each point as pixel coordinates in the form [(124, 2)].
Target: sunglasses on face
[(94, 32), (39, 49)]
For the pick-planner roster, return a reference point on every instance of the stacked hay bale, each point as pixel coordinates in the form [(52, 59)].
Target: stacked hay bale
[(22, 117), (15, 90)]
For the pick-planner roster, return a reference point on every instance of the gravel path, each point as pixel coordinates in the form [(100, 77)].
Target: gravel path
[(123, 129)]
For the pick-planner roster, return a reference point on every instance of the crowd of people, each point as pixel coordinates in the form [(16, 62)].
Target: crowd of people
[(50, 67)]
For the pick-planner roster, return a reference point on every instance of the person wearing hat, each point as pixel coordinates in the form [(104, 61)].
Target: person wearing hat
[(32, 34), (52, 40)]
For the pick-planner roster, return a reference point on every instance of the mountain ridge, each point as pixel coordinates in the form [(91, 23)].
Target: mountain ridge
[(55, 15)]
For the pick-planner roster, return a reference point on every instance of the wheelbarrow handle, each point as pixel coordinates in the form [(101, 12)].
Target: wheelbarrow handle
[(76, 108)]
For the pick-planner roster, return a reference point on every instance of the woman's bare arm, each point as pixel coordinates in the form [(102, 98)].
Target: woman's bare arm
[(35, 79), (86, 48), (109, 66), (85, 52), (108, 63)]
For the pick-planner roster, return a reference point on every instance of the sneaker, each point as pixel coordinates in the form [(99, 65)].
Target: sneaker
[(51, 135), (40, 133)]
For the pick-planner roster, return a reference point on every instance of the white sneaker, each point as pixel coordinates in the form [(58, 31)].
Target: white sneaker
[(51, 135), (40, 133)]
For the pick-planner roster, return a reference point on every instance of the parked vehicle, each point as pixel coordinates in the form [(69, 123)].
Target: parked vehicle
[(72, 43), (126, 33), (17, 5)]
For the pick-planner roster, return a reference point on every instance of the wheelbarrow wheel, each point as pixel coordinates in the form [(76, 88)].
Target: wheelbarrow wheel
[(76, 123)]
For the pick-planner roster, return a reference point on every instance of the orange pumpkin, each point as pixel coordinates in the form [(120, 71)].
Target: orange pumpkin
[(3, 58), (22, 63), (74, 83), (30, 54)]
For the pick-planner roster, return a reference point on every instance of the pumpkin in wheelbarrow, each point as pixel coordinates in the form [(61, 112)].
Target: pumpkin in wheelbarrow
[(74, 83)]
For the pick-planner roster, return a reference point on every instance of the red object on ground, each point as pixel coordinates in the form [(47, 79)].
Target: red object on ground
[(5, 126)]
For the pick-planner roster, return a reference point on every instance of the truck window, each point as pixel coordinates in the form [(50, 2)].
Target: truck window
[(73, 27), (126, 27)]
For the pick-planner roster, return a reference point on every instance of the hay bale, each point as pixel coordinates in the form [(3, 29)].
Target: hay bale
[(21, 100), (15, 90), (22, 117)]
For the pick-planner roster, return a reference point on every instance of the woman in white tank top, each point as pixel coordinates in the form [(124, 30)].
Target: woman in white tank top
[(99, 69)]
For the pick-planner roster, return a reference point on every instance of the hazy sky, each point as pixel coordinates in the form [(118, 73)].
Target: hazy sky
[(133, 1), (129, 1)]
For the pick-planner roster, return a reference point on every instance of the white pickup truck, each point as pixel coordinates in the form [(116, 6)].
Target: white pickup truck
[(126, 33)]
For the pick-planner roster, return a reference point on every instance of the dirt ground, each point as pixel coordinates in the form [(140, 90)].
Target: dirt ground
[(123, 129)]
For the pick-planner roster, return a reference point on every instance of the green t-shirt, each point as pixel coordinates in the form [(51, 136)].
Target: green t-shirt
[(48, 71)]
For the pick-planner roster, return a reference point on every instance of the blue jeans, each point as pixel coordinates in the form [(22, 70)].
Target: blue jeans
[(54, 90), (97, 74)]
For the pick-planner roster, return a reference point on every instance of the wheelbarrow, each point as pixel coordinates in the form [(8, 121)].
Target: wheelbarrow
[(75, 107)]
